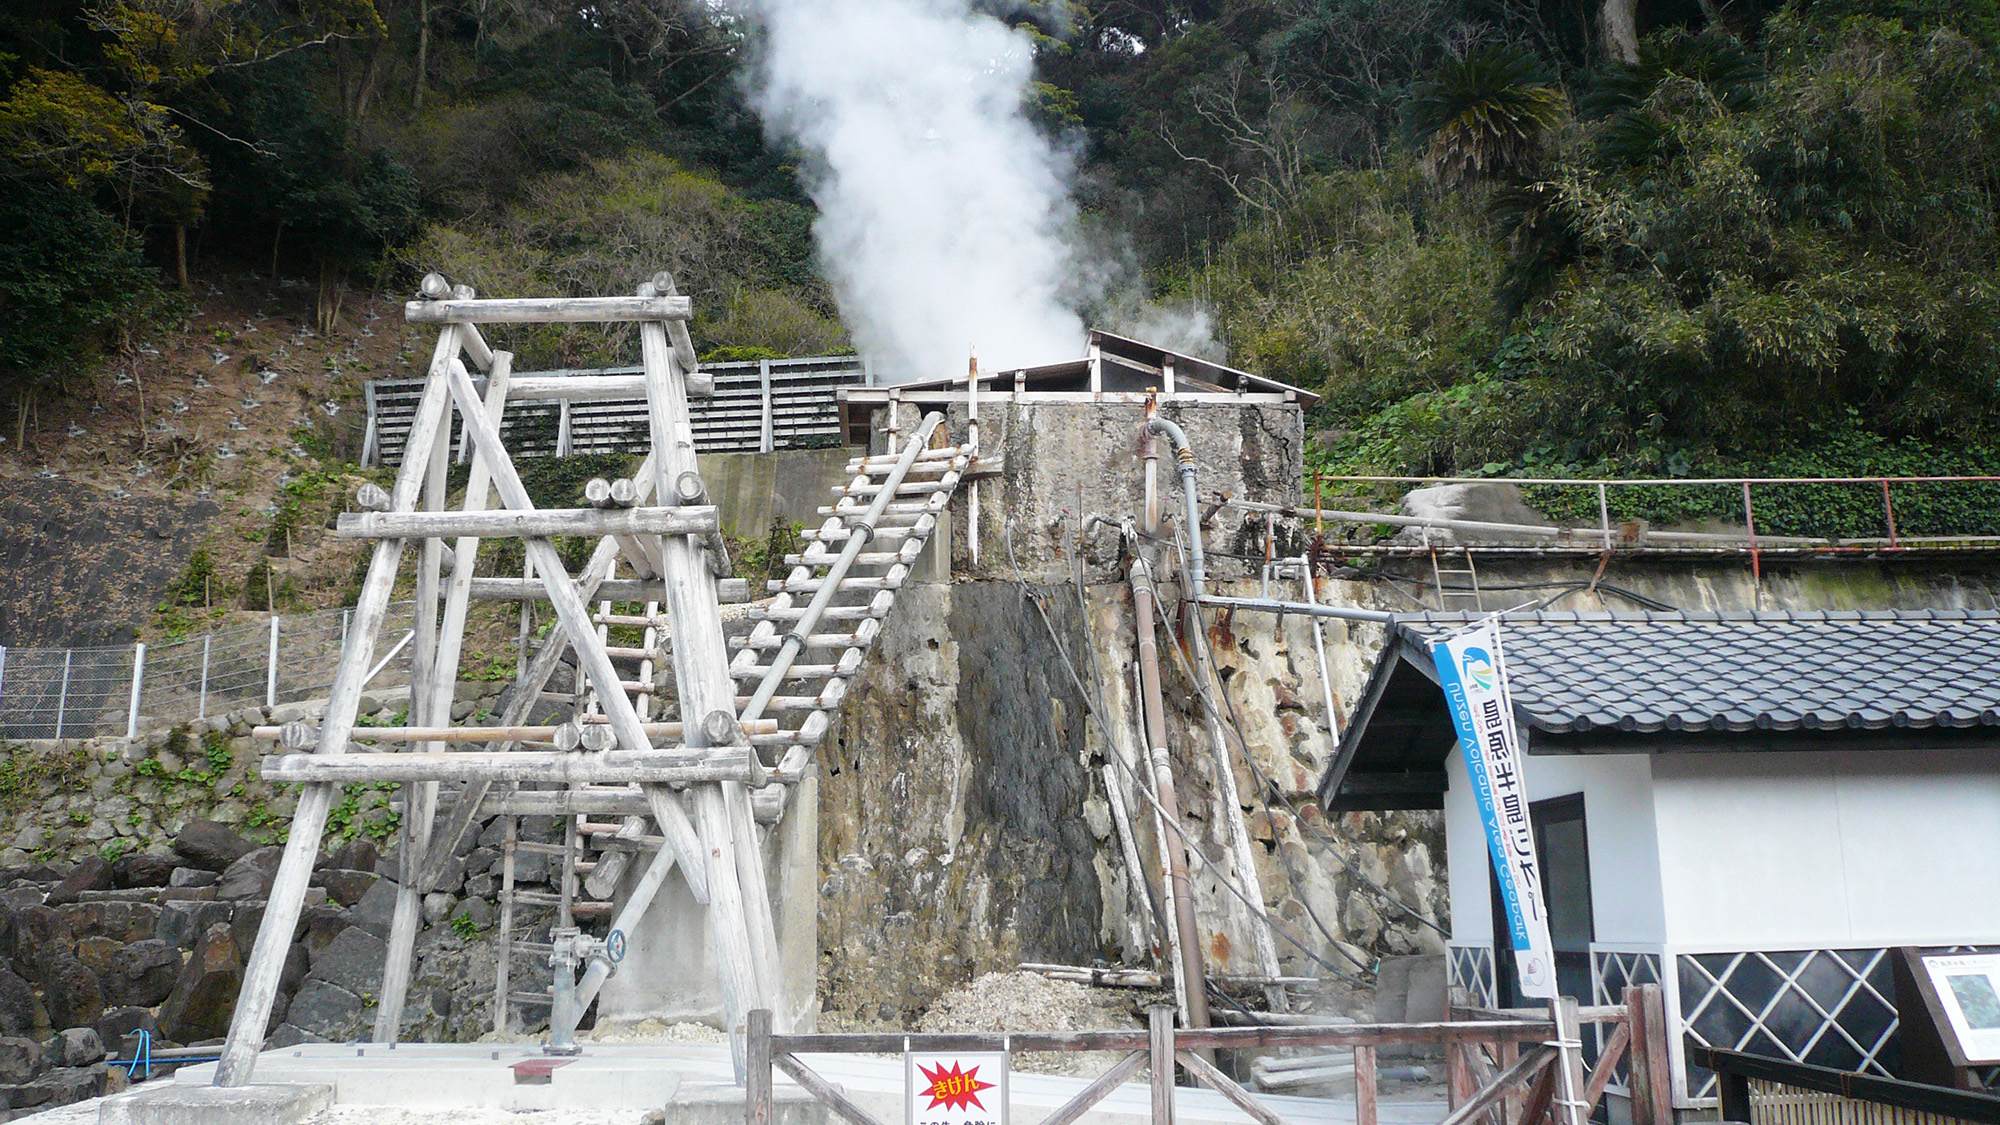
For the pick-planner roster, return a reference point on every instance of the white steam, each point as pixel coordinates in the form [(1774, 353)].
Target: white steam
[(943, 211)]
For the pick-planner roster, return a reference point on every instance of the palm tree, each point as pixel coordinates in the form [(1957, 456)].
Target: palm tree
[(1486, 116)]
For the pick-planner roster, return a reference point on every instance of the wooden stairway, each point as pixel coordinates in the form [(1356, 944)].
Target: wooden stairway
[(800, 685)]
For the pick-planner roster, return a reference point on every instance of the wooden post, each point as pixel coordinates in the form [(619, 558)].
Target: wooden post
[(1458, 1074), (1651, 1080), (1160, 1027), (1734, 1090), (757, 1067), (1364, 1086), (288, 891), (441, 690), (1568, 1104), (701, 673)]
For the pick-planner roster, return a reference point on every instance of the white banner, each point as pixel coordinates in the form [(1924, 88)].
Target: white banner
[(1474, 678)]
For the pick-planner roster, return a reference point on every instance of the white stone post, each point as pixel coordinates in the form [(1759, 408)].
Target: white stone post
[(271, 667), (138, 676)]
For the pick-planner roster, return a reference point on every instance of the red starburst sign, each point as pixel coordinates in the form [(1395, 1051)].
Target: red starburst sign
[(957, 1089), (953, 1087)]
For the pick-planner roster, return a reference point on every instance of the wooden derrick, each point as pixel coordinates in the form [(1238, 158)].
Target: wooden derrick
[(745, 729)]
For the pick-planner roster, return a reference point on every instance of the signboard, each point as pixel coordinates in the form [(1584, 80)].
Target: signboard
[(956, 1088), (1474, 678), (1968, 993)]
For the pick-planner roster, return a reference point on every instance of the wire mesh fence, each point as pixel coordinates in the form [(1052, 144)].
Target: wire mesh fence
[(88, 692)]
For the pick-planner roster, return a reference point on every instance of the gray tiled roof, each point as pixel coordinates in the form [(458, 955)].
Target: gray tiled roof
[(1573, 672)]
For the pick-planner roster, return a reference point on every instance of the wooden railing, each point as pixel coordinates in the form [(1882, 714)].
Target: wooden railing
[(1766, 1091), (1492, 1078)]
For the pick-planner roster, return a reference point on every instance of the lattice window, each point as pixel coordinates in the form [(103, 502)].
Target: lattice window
[(1827, 1007), (1472, 970)]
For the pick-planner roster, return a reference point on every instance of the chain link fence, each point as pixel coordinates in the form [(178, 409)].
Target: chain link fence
[(88, 692)]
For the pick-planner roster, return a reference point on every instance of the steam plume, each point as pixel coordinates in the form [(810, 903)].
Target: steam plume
[(942, 209)]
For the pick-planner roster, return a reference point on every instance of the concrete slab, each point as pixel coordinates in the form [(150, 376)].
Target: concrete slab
[(175, 1103), (696, 1086)]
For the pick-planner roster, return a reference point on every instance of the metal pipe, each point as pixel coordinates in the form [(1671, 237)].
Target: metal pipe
[(1305, 609), (1194, 987), (1197, 569), (862, 530), (1310, 581), (1536, 530), (1149, 457)]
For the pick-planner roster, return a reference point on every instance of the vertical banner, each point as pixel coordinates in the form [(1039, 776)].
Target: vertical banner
[(956, 1087), (1475, 687)]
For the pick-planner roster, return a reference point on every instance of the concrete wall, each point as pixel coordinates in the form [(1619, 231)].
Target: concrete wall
[(1830, 851), (753, 489), (1067, 461)]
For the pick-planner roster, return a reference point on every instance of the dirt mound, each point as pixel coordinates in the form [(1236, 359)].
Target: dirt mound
[(1032, 1002)]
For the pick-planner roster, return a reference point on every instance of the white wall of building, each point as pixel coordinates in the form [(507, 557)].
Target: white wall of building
[(1818, 850), (1625, 881)]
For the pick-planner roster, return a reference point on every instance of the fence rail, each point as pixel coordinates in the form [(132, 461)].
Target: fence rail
[(91, 692), (1766, 1091), (1507, 1071), (758, 406)]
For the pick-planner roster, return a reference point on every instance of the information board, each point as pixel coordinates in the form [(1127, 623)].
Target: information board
[(956, 1088), (1967, 986)]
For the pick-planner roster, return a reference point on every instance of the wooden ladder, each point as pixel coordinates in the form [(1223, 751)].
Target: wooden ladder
[(1471, 597), (806, 694)]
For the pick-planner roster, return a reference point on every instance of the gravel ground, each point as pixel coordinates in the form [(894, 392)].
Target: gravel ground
[(1029, 1001)]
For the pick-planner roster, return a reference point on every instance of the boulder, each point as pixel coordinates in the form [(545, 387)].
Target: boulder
[(358, 854), (142, 974), (353, 961), (345, 886), (119, 1024), (321, 925), (297, 964), (1495, 502), (20, 1059), (76, 1047), (142, 870), (376, 908), (25, 1096), (182, 923), (325, 1011), (211, 846), (480, 912), (192, 877), (41, 936), (288, 1034), (71, 993), (95, 952), (69, 1085), (20, 1010), (122, 922), (91, 873), (251, 875), (205, 995)]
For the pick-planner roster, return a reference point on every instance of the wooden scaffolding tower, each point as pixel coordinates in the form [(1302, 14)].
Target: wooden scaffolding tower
[(684, 788)]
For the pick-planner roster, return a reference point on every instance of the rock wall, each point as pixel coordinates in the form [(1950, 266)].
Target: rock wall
[(966, 824)]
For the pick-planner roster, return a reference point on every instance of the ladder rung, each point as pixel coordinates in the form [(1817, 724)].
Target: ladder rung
[(890, 581), (907, 488), (861, 558), (617, 653), (757, 672), (537, 898), (841, 535), (539, 849), (530, 998)]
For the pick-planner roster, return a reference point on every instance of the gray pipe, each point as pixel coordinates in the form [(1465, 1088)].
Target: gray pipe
[(1197, 567)]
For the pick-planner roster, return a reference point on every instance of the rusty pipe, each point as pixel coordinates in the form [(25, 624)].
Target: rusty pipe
[(1194, 984)]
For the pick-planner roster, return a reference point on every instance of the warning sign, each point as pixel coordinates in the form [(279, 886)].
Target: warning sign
[(956, 1088)]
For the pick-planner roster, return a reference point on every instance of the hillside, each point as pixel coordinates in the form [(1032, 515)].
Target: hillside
[(227, 435)]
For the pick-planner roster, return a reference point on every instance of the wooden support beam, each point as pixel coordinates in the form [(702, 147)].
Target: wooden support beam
[(727, 590), (1530, 1063), (542, 522), (549, 310), (274, 934), (542, 733), (675, 766)]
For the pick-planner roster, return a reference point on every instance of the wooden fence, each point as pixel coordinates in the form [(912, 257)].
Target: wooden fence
[(1506, 1071), (1766, 1091)]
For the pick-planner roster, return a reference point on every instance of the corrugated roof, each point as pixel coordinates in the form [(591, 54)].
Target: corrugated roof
[(1634, 683)]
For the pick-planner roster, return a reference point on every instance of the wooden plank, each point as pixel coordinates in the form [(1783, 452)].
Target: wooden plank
[(823, 1090), (1222, 1084), (1614, 1049), (549, 310), (1216, 1038), (1651, 1083), (727, 590), (1494, 1092), (507, 734), (274, 934), (1535, 1106), (1160, 1056), (592, 522), (657, 767), (1090, 1095), (757, 1068), (1366, 1102)]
